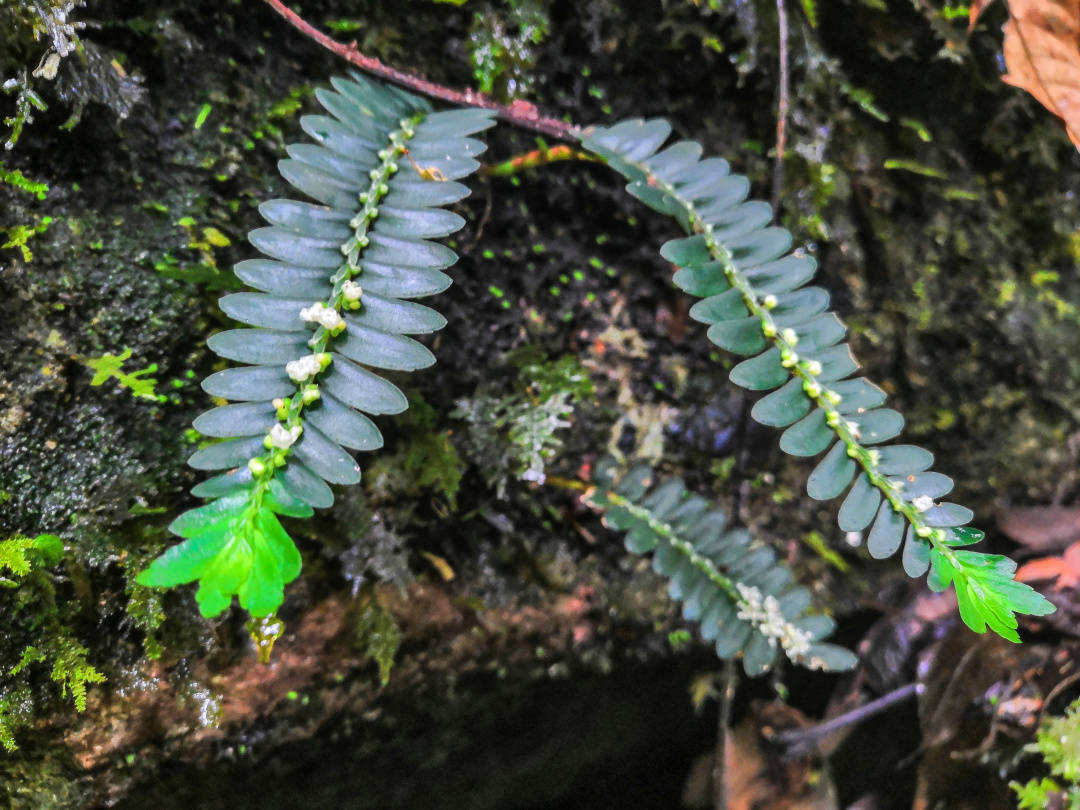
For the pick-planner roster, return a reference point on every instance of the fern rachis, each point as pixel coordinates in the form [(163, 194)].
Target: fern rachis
[(332, 304), (756, 304), (742, 596)]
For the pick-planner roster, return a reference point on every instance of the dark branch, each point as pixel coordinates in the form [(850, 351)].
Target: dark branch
[(520, 113), (801, 736), (729, 682)]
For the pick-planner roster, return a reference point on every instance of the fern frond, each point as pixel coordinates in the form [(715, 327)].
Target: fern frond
[(333, 303), (20, 554), (756, 303), (740, 594)]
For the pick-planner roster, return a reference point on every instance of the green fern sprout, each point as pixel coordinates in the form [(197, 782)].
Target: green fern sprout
[(332, 304), (111, 366), (755, 303), (740, 594), (19, 554)]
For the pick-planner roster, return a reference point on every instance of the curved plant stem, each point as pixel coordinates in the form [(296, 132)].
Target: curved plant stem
[(802, 736), (520, 113), (534, 159)]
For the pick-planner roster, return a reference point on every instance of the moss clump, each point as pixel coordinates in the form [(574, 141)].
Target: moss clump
[(515, 434), (503, 46), (1058, 741), (41, 631), (425, 462)]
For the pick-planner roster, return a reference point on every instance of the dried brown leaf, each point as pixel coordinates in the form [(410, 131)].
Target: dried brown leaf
[(1041, 528), (1063, 571), (1042, 53)]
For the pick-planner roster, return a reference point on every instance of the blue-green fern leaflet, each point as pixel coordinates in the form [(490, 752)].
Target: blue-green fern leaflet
[(756, 303), (742, 597), (333, 304)]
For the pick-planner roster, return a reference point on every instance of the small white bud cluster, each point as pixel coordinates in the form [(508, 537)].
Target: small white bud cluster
[(765, 614), (282, 437), (304, 368), (922, 503), (352, 291), (323, 315)]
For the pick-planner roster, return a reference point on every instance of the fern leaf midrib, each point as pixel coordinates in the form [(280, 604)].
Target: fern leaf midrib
[(730, 250), (667, 531), (290, 410), (823, 397), (795, 651)]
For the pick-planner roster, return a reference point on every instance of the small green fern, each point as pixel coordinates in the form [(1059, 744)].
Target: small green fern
[(382, 164), (54, 643), (19, 554), (111, 366), (741, 595), (755, 303), (70, 669)]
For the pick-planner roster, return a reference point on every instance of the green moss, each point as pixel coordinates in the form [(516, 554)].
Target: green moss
[(110, 366), (70, 669), (503, 46), (1058, 742), (145, 609), (19, 236), (425, 462), (526, 419), (378, 637), (20, 554), (16, 179), (40, 630)]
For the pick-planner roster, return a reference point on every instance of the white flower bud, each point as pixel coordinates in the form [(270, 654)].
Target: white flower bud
[(282, 437), (300, 370), (332, 320), (923, 502), (323, 315), (352, 291), (311, 314)]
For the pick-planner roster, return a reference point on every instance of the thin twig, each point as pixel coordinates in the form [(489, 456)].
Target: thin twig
[(739, 443), (719, 774), (864, 712), (781, 107), (520, 113), (534, 159), (1059, 687)]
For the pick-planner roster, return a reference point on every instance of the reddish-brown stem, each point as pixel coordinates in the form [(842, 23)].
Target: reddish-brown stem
[(534, 159), (520, 113)]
